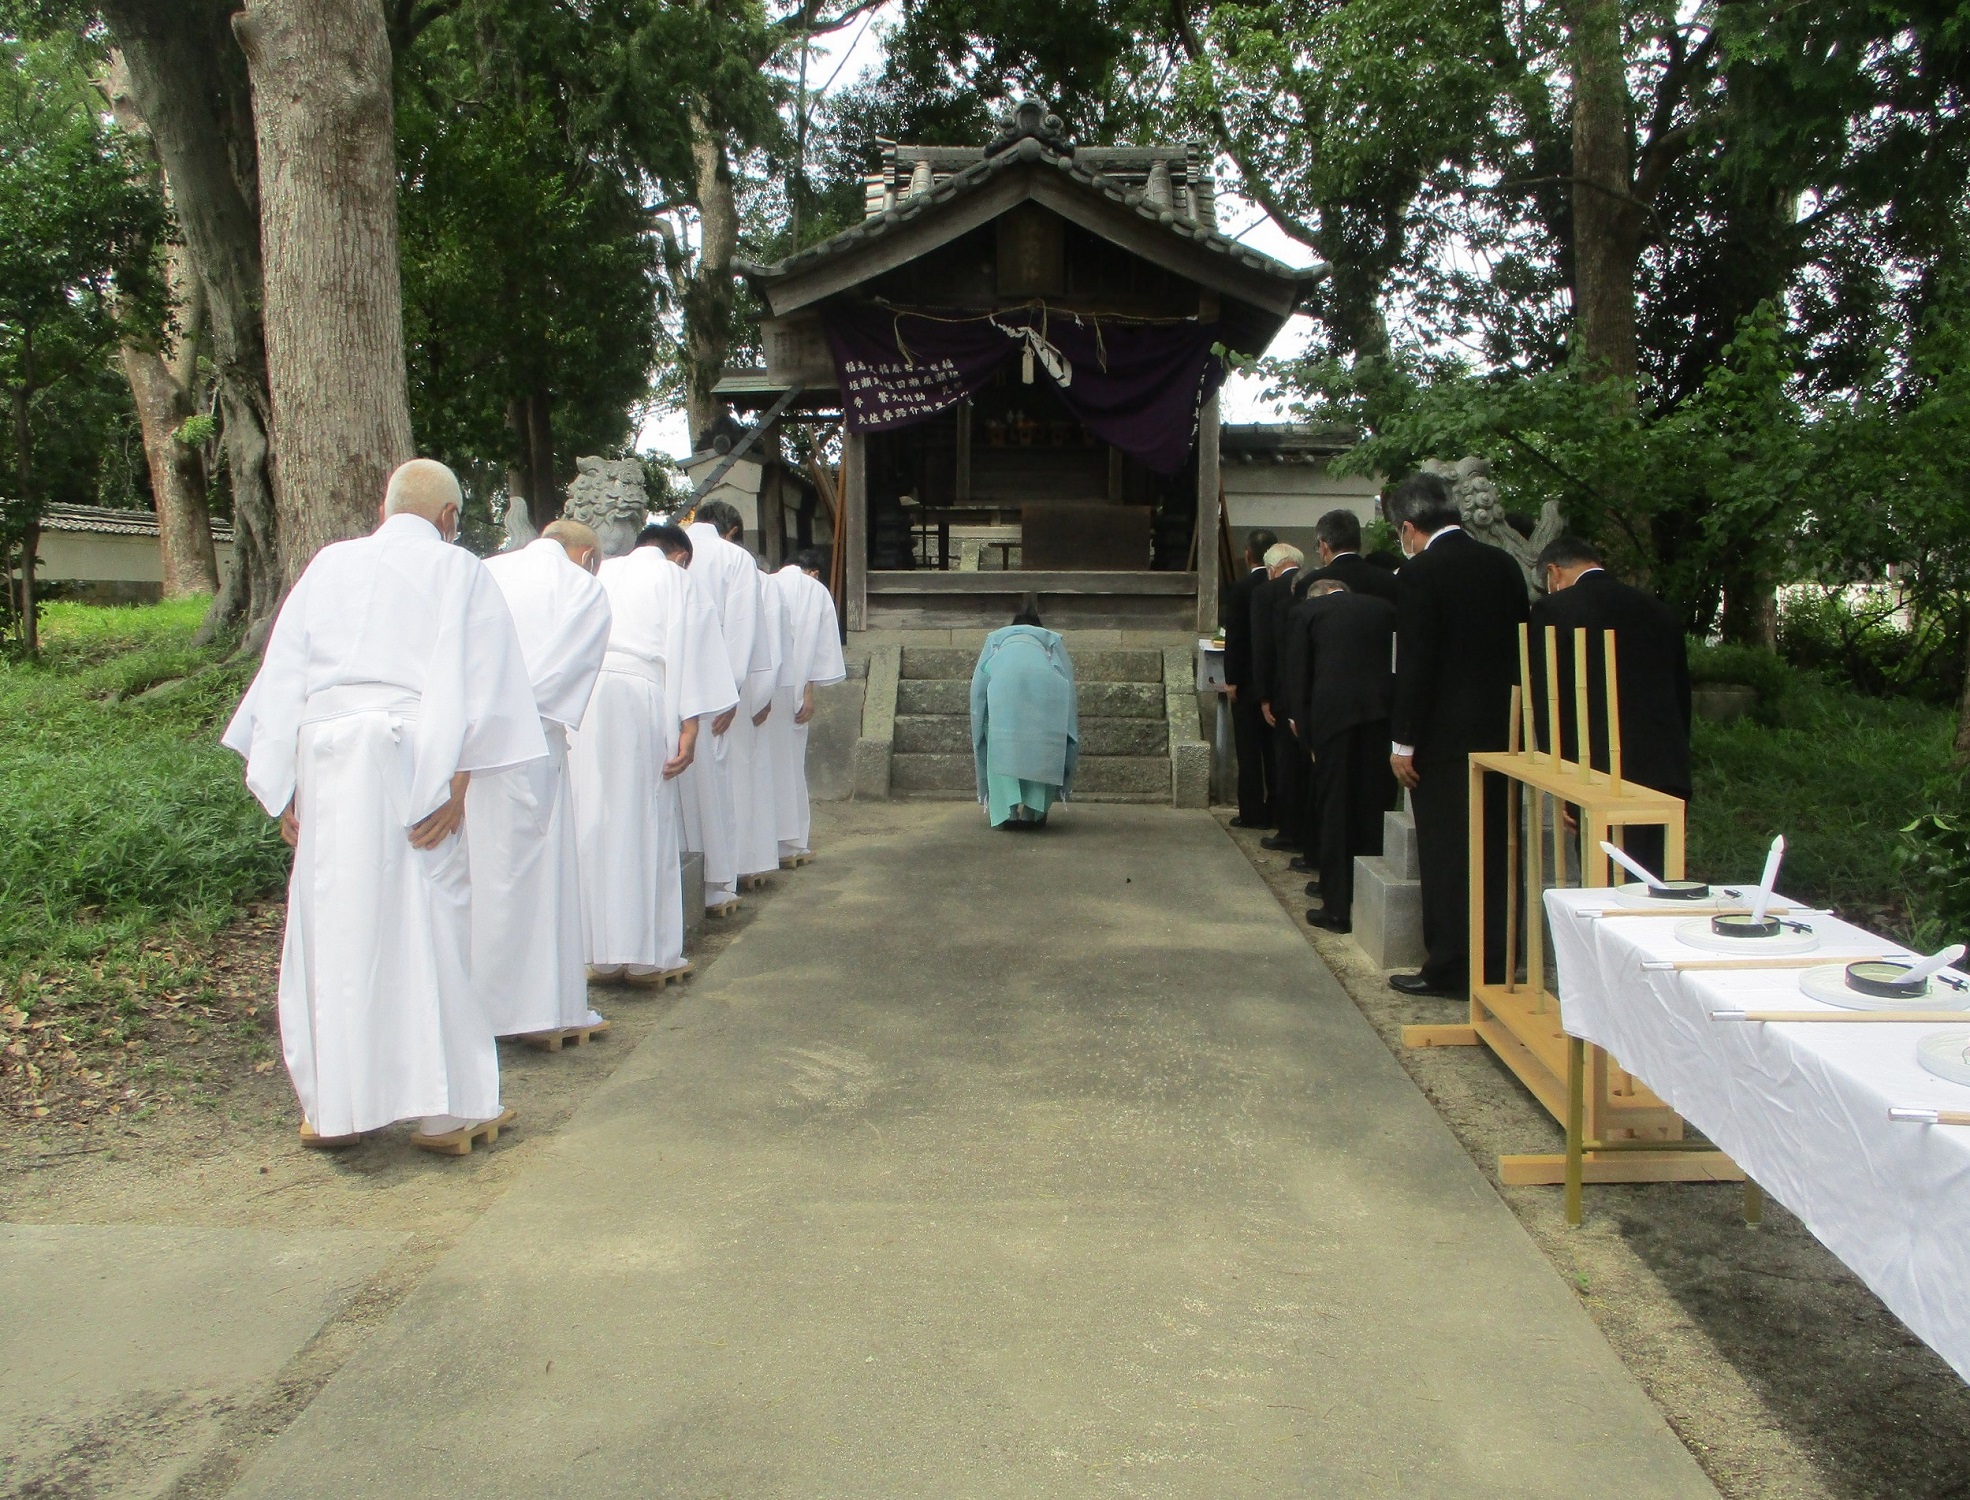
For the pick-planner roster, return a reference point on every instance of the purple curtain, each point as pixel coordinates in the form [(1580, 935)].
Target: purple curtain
[(1139, 386)]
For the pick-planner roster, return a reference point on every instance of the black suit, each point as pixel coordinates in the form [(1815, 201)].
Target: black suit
[(1652, 664), (1348, 639), (1360, 575), (1459, 606), (1270, 602), (1247, 723)]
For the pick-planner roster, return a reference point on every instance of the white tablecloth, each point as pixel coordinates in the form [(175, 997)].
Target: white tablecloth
[(1802, 1108)]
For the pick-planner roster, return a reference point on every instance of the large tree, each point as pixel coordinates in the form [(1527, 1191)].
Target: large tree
[(323, 116)]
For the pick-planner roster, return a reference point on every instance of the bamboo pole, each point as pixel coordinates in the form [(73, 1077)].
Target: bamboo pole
[(1514, 801), (1613, 720), (1583, 740), (1525, 694)]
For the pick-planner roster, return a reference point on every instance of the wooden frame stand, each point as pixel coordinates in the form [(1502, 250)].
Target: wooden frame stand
[(1617, 1130)]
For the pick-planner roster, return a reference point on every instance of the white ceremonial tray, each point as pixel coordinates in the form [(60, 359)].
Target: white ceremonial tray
[(1696, 932), (1943, 1053), (1828, 984)]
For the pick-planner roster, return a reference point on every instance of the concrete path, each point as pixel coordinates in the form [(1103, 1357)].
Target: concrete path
[(123, 1346), (996, 1164)]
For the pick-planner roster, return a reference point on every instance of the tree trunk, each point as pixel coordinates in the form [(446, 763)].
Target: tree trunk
[(188, 80), (543, 490), (24, 478), (322, 111), (165, 392), (1607, 220), (708, 296)]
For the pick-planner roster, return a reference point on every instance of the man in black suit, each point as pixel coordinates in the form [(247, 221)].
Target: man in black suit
[(1270, 601), (1337, 539), (1652, 670), (1459, 605), (1344, 716), (1248, 726)]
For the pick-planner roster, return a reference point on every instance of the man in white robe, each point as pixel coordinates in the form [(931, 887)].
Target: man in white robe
[(724, 779), (665, 668), (527, 958), (392, 675), (813, 659)]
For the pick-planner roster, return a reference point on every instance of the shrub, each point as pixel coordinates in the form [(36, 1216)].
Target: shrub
[(1866, 638), (1745, 666)]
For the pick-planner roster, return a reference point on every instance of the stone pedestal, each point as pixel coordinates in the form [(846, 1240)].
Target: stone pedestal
[(1388, 896), (693, 866)]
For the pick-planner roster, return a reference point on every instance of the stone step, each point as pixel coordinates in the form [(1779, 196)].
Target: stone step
[(1143, 775), (953, 663), (1387, 915), (1098, 700), (950, 734)]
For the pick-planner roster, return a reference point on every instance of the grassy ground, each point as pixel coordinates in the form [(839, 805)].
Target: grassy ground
[(1839, 775), (126, 842)]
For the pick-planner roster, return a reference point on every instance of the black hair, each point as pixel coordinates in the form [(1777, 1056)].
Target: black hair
[(1029, 612), (1569, 552), (1340, 530), (1423, 500), (670, 538), (814, 560), (1260, 542), (723, 519)]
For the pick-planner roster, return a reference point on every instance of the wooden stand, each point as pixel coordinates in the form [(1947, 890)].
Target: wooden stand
[(1617, 1131)]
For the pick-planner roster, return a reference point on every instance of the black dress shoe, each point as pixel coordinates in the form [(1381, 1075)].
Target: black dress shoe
[(1313, 888), (1279, 842), (1238, 822), (1319, 918), (1416, 984), (1299, 863)]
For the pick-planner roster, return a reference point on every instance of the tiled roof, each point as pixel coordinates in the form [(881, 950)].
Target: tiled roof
[(104, 520), (1028, 152)]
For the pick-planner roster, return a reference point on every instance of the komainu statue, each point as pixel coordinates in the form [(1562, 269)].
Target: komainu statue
[(1483, 511), (609, 495)]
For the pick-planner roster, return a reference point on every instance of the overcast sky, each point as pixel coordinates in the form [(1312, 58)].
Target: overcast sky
[(846, 57)]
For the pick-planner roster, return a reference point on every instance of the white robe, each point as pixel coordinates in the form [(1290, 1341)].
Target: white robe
[(526, 892), (664, 665), (393, 664), (722, 788), (813, 655)]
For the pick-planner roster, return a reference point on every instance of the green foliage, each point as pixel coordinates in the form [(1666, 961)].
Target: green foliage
[(1838, 774), (530, 268), (1745, 666), (1935, 855), (119, 811)]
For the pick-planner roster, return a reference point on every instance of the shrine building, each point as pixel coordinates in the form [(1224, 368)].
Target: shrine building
[(1023, 344)]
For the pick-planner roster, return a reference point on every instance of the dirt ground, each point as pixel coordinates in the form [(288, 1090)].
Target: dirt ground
[(1781, 1372)]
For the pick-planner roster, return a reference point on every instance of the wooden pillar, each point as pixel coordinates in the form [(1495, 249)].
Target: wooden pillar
[(1208, 483), (855, 537)]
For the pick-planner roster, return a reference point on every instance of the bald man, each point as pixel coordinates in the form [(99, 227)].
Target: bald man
[(393, 675), (527, 964)]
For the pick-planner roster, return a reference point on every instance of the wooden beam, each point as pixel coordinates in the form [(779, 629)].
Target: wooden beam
[(855, 516), (1209, 483), (925, 581)]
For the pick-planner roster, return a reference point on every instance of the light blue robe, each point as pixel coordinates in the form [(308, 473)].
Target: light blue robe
[(1025, 722)]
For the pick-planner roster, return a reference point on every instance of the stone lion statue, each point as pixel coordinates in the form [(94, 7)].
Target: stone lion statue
[(609, 495), (1483, 511)]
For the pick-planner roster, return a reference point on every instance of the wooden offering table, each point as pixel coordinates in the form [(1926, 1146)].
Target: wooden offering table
[(1620, 1131)]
